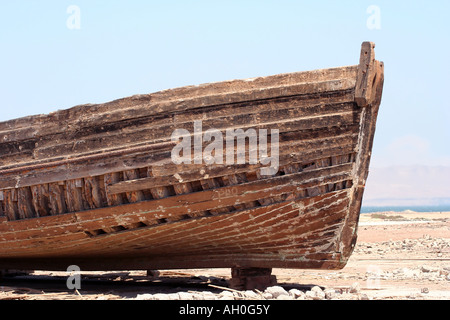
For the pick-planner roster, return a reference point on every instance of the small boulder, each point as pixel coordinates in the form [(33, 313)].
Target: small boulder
[(276, 291)]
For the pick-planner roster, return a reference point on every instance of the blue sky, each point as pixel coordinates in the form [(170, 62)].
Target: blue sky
[(131, 47)]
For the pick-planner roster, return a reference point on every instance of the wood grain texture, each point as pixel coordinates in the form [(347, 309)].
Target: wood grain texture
[(95, 185)]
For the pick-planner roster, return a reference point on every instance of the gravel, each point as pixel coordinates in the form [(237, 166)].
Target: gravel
[(271, 293)]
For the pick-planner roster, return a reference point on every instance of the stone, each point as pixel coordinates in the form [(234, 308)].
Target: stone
[(208, 295), (424, 290), (225, 298), (145, 296), (226, 294), (250, 294), (267, 295), (330, 294), (316, 293), (172, 296), (276, 291), (363, 296), (355, 288), (302, 297), (197, 296), (443, 272), (410, 273), (185, 296), (284, 297), (426, 268), (160, 296), (295, 293)]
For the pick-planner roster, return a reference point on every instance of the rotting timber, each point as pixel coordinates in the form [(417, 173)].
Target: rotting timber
[(95, 185)]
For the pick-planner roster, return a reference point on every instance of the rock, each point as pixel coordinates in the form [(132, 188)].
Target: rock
[(302, 297), (250, 294), (426, 268), (185, 296), (315, 293), (310, 295), (330, 294), (208, 295), (295, 293), (355, 288), (267, 295), (226, 295), (145, 296), (160, 296), (443, 272), (276, 291), (363, 296), (284, 297), (316, 289), (410, 273), (173, 296), (348, 296), (197, 296)]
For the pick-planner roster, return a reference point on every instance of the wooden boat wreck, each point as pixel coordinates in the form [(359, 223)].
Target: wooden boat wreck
[(96, 185)]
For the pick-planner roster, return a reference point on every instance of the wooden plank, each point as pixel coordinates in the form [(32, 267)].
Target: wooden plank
[(368, 118), (86, 167), (229, 90), (24, 203), (110, 179), (94, 192), (74, 195), (133, 196), (177, 205), (259, 213), (2, 199), (53, 162), (159, 134), (10, 203), (223, 197), (152, 131), (171, 174), (57, 199), (15, 152), (365, 74), (41, 200), (77, 169), (244, 225), (159, 192)]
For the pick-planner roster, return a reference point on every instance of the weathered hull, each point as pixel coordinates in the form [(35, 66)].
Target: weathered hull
[(95, 185)]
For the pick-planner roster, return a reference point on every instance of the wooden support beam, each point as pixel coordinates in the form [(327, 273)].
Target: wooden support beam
[(365, 75), (251, 278)]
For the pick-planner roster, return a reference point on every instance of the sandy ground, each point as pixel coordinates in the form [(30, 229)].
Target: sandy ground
[(402, 255)]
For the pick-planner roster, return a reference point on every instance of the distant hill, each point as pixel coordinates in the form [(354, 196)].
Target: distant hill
[(408, 185)]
